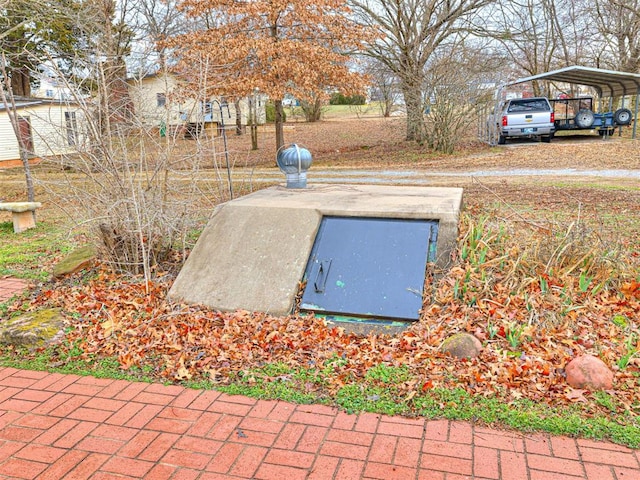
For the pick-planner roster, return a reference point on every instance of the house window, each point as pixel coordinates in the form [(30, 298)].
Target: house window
[(72, 128), (207, 108), (161, 99), (49, 93)]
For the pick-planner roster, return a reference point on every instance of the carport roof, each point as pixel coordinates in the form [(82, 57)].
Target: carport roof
[(608, 83)]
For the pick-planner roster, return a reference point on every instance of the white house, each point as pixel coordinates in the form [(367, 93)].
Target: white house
[(47, 128), (157, 102)]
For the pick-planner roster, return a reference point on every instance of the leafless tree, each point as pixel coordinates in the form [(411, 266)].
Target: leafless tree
[(618, 24), (457, 90), (573, 33), (410, 32), (525, 30), (105, 37), (384, 85), (139, 192), (313, 105), (8, 100), (152, 22)]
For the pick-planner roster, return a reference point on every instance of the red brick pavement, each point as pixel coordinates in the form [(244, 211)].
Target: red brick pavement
[(10, 286), (55, 426)]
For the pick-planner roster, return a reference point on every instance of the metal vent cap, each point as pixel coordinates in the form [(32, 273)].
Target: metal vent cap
[(294, 161)]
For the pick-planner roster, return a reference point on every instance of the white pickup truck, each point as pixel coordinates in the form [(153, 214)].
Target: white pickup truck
[(525, 117)]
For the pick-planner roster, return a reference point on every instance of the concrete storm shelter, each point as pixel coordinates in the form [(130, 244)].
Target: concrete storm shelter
[(361, 249)]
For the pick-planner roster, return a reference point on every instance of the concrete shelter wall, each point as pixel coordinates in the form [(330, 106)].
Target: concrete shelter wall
[(254, 250)]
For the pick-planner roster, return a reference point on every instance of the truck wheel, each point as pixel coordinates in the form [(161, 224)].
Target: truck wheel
[(622, 116), (584, 118), (502, 140), (546, 138)]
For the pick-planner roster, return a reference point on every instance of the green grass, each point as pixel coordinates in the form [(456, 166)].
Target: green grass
[(47, 360), (27, 255), (379, 393)]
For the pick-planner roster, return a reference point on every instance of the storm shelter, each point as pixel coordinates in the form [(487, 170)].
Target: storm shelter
[(362, 250)]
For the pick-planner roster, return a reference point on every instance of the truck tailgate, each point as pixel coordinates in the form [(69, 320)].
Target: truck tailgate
[(525, 119)]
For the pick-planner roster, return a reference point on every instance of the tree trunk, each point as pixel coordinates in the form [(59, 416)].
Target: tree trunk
[(412, 93), (279, 124), (238, 117), (312, 109), (31, 194), (8, 99), (21, 82), (386, 109), (119, 106), (253, 122)]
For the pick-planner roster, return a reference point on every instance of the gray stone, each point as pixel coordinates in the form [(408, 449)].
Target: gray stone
[(77, 260), (33, 329), (462, 345), (589, 373)]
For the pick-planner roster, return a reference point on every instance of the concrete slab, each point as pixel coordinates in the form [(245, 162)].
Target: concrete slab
[(253, 253), (249, 258)]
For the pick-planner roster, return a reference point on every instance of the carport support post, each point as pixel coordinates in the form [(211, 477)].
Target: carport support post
[(635, 116), (493, 130), (624, 97)]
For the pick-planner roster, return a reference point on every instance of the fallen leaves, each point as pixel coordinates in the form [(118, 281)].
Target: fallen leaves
[(532, 316), (183, 342), (631, 289)]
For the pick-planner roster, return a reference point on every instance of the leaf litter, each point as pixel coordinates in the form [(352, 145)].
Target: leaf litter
[(534, 304)]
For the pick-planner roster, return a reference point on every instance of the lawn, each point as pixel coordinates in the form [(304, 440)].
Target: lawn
[(547, 268)]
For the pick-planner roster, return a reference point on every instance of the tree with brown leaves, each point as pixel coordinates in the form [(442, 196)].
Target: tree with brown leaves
[(274, 47)]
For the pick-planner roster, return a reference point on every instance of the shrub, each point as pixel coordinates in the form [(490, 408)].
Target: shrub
[(340, 99), (270, 112)]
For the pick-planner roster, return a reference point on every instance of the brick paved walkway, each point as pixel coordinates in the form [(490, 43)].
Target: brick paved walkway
[(55, 426), (10, 286)]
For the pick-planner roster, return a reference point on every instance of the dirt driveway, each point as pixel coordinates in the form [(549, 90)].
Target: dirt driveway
[(378, 142)]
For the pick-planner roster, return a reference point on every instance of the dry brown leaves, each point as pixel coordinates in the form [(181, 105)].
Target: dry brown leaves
[(523, 357)]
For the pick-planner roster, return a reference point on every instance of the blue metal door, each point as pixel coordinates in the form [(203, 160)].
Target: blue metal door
[(369, 267)]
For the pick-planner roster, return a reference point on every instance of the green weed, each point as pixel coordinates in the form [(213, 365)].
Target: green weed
[(513, 334), (620, 321), (492, 330), (631, 351), (388, 374), (584, 282)]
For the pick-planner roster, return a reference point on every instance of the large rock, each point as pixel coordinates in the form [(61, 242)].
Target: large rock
[(589, 373), (77, 260), (33, 329), (462, 345)]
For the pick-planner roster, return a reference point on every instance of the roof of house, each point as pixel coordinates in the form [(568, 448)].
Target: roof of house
[(24, 102), (608, 83)]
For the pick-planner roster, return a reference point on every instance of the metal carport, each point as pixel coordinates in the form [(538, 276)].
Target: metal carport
[(608, 83)]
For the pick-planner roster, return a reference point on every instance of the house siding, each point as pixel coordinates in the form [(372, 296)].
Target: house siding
[(144, 96), (8, 143), (178, 112), (48, 130)]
